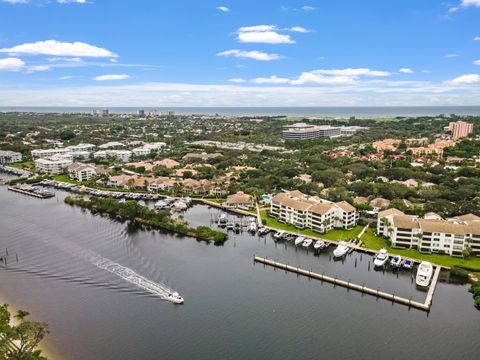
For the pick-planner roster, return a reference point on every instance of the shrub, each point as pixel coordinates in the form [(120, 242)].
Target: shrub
[(459, 273)]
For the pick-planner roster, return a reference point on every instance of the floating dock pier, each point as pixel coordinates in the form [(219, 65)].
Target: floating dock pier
[(40, 195), (361, 288)]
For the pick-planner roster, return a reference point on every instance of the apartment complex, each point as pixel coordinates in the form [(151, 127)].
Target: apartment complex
[(123, 155), (53, 166), (311, 212), (431, 233), (8, 157), (460, 129), (81, 172)]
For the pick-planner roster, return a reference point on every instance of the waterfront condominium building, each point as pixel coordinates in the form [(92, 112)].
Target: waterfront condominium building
[(460, 129), (8, 157), (52, 166), (302, 131), (81, 172), (311, 212), (431, 233)]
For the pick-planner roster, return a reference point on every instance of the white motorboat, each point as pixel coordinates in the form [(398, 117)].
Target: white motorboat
[(253, 227), (396, 261), (223, 218), (319, 245), (424, 274), (230, 226), (341, 250), (381, 258), (175, 298), (408, 264), (299, 240), (307, 243), (279, 235)]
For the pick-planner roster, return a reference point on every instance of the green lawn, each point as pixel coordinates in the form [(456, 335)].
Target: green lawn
[(66, 179), (26, 165), (371, 241)]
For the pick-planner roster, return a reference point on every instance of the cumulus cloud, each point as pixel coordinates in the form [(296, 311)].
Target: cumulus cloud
[(11, 64), (467, 79), (15, 1), (270, 80), (66, 77), (223, 8), (57, 48), (319, 79), (253, 54), (110, 77), (476, 38), (265, 34), (308, 8), (450, 56), (465, 4), (477, 62), (406, 71)]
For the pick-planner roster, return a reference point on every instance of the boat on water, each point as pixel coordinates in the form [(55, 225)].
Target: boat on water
[(253, 227), (237, 228), (307, 243), (299, 240), (424, 274), (175, 298), (263, 231), (319, 245), (396, 261), (381, 258), (279, 235), (222, 219), (230, 226), (160, 204), (408, 264), (341, 250)]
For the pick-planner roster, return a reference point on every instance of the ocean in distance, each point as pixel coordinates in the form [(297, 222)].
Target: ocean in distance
[(362, 112)]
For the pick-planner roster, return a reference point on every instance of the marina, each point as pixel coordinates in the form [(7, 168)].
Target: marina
[(32, 191), (219, 283)]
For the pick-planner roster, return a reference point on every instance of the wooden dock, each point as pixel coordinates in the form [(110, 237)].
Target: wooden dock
[(361, 288)]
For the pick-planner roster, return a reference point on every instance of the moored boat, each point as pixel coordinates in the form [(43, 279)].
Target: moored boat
[(299, 240), (424, 274), (341, 250), (319, 245), (381, 258), (408, 263), (396, 261), (307, 243)]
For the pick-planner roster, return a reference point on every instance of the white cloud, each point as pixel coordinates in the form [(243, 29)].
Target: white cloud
[(270, 80), (223, 8), (298, 29), (57, 48), (66, 59), (36, 68), (11, 64), (452, 56), (352, 72), (111, 77), (316, 78), (237, 80), (406, 71), (15, 1), (253, 54), (265, 34), (465, 4), (477, 62), (264, 37), (476, 38), (308, 8), (66, 77), (467, 79)]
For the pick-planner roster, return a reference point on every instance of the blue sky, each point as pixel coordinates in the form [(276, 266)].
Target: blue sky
[(239, 53)]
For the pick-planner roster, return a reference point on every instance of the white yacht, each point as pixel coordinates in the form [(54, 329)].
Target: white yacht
[(319, 245), (175, 298), (307, 243), (253, 227), (341, 250), (424, 274), (223, 218), (279, 234), (300, 239), (381, 258)]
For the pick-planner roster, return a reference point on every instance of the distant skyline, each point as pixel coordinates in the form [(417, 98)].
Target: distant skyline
[(239, 53)]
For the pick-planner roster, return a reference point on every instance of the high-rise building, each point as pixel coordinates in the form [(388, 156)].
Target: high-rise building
[(141, 112), (460, 129)]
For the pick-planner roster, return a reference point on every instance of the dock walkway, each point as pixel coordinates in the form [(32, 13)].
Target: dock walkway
[(361, 288)]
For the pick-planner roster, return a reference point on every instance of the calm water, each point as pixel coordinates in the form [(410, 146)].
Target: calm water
[(362, 112), (234, 309)]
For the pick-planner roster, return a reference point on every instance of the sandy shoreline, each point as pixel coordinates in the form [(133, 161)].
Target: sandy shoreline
[(46, 349)]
